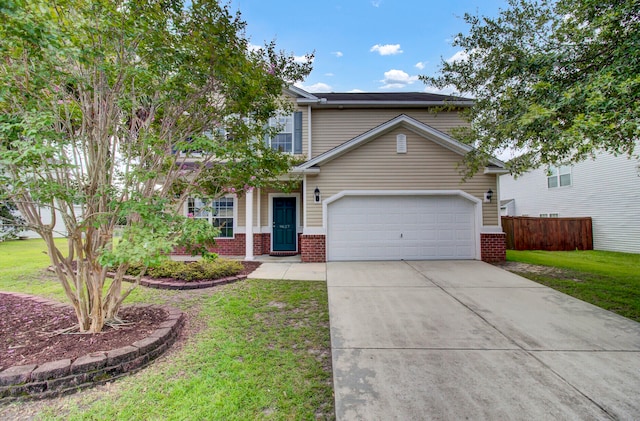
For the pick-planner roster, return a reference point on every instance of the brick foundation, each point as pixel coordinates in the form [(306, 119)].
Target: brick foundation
[(236, 246), (493, 247), (313, 248)]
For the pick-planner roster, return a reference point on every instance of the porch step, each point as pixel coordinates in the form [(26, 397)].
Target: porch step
[(283, 253)]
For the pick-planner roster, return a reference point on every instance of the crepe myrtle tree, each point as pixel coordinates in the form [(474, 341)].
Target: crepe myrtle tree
[(553, 81), (123, 109)]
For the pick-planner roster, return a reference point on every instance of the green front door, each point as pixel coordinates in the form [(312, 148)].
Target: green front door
[(284, 224)]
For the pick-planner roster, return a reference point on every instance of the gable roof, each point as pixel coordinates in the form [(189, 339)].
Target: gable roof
[(402, 120)]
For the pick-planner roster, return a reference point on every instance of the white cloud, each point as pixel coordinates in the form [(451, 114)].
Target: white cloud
[(337, 54), (301, 59), (459, 56), (376, 3), (329, 74), (355, 91), (316, 87), (420, 65), (448, 90), (397, 79), (254, 47), (387, 49)]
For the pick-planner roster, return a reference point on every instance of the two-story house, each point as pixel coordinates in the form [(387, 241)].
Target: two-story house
[(380, 181), (606, 188)]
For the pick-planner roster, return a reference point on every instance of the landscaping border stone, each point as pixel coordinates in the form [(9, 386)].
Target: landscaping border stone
[(54, 378), (174, 284)]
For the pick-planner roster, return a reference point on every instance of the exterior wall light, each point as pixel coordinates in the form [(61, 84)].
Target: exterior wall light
[(488, 195), (316, 195)]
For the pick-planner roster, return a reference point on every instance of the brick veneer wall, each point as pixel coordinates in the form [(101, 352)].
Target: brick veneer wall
[(236, 246), (312, 248), (493, 247), (55, 378)]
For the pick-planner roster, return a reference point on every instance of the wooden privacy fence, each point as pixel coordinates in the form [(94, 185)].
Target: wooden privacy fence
[(553, 234)]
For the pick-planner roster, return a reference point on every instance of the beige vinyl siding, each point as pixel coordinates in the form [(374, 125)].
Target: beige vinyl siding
[(377, 166), (242, 211), (264, 205), (331, 128)]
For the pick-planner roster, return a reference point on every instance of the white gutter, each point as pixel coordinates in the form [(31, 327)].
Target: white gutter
[(496, 170)]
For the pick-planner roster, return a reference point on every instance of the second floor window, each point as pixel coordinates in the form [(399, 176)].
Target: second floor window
[(283, 141), (289, 138), (558, 176)]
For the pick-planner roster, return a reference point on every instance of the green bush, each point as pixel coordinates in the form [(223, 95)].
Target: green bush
[(191, 271)]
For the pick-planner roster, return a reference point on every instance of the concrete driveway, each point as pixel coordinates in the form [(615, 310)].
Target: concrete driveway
[(466, 340)]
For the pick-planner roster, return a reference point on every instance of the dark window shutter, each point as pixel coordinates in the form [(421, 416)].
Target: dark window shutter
[(297, 132)]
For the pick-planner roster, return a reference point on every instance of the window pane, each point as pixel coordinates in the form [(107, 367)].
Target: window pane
[(552, 171), (282, 142), (223, 216), (552, 181), (225, 225), (565, 179), (197, 208)]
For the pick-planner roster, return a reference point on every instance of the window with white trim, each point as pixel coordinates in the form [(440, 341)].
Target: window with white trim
[(289, 138), (283, 141), (219, 212), (558, 176)]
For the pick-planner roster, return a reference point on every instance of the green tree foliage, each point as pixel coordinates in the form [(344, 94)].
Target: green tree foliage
[(115, 112), (554, 81), (10, 223)]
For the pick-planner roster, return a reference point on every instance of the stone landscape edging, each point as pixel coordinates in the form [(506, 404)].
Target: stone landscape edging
[(55, 378), (160, 283), (171, 283)]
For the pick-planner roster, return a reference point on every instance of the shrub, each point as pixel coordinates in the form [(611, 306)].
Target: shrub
[(191, 271)]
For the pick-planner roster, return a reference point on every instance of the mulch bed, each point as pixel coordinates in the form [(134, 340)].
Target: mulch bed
[(28, 330)]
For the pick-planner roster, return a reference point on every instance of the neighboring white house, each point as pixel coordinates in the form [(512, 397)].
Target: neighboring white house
[(606, 188), (59, 230)]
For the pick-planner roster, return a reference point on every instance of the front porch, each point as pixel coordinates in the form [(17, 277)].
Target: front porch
[(275, 228)]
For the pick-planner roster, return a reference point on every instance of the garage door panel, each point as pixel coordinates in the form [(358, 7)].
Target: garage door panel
[(400, 227)]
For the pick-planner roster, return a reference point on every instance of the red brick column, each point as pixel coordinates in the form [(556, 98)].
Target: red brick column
[(312, 248), (493, 247), (261, 242)]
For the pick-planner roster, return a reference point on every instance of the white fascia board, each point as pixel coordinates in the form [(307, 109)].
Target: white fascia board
[(309, 171), (301, 93), (494, 170)]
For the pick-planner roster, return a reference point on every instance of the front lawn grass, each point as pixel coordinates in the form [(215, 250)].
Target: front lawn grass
[(263, 354), (606, 279), (261, 351), (23, 265)]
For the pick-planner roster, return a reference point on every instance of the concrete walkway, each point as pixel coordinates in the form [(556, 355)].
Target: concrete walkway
[(290, 271), (467, 340)]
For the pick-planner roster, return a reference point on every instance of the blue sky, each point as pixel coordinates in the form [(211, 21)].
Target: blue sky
[(364, 45)]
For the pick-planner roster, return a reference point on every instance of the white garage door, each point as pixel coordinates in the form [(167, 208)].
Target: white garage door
[(400, 228)]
